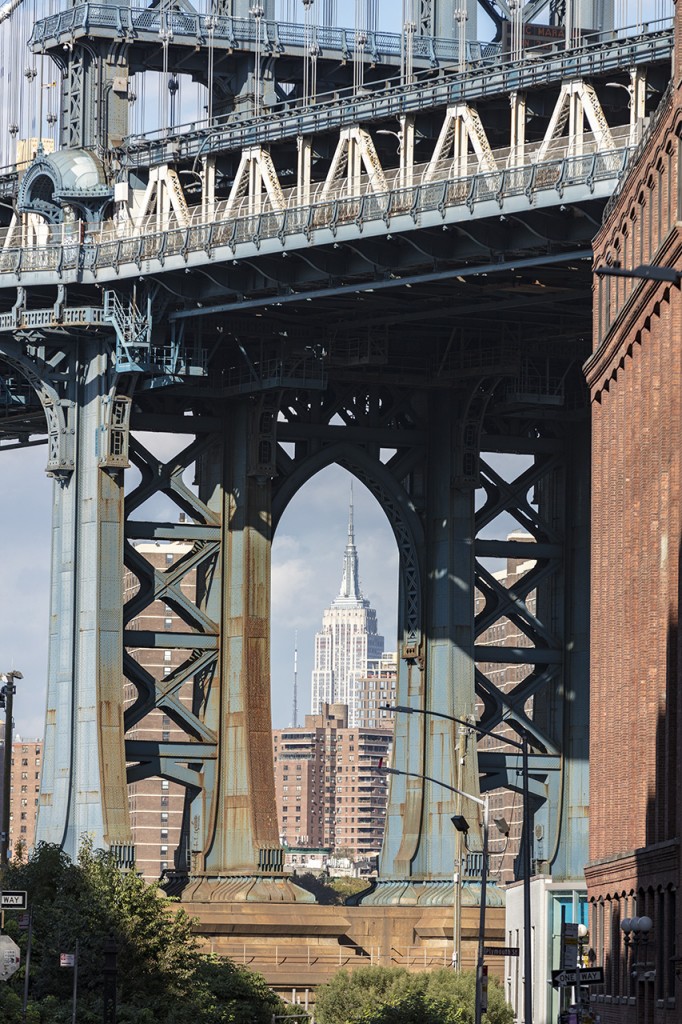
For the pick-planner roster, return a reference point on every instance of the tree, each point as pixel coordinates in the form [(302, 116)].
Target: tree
[(392, 995), (163, 978)]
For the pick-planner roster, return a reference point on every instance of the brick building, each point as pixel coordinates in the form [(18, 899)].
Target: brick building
[(635, 380), (376, 691), (328, 790), (24, 794)]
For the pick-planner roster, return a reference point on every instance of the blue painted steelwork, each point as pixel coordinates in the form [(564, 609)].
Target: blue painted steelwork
[(485, 256)]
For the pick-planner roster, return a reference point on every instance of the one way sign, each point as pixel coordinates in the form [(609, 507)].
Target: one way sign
[(587, 976), (14, 899)]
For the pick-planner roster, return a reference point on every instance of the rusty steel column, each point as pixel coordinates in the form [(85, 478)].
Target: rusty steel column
[(83, 788), (240, 829), (417, 857)]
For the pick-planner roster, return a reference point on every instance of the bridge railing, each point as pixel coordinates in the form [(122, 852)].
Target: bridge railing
[(345, 956), (113, 246), (235, 32), (596, 55)]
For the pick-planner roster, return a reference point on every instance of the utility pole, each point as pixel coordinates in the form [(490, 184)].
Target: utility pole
[(7, 702)]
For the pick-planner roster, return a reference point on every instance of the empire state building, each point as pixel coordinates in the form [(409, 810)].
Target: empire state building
[(347, 641)]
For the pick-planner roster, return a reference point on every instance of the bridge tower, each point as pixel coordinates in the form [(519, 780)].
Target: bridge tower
[(278, 293)]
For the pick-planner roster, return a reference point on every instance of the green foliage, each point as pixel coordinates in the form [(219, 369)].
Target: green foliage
[(321, 889), (391, 995), (348, 886), (163, 979), (330, 891)]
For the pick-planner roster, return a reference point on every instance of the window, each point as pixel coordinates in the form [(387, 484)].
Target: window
[(169, 558), (167, 655), (165, 784), (164, 801), (163, 865), (164, 815), (165, 737), (166, 670), (167, 623), (164, 851), (164, 833)]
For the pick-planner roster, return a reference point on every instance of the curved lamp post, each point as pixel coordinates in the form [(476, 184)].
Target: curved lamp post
[(521, 745), (462, 825)]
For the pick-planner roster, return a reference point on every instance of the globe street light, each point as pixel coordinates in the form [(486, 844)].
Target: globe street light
[(6, 702), (461, 824), (521, 745)]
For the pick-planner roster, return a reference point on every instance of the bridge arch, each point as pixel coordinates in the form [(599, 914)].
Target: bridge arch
[(58, 412), (394, 500)]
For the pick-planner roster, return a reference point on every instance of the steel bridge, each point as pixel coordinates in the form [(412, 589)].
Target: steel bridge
[(369, 249)]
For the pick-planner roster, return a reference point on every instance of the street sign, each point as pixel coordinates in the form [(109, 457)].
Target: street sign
[(591, 976), (13, 899), (500, 951), (588, 976), (560, 979), (9, 957)]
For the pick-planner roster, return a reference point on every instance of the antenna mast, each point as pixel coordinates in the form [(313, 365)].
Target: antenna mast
[(295, 707)]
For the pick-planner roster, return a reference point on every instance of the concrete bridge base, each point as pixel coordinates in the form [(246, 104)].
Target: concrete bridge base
[(298, 947)]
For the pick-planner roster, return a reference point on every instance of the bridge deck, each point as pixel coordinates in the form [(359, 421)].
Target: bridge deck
[(145, 24), (605, 57), (116, 251)]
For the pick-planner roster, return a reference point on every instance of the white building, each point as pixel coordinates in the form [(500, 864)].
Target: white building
[(348, 639)]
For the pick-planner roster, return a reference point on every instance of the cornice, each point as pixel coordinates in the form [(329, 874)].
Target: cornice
[(635, 869), (601, 365)]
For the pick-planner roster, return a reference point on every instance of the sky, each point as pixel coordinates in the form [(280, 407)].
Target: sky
[(307, 561)]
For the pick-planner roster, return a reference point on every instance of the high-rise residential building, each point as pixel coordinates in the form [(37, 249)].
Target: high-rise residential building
[(24, 793), (348, 640), (376, 692), (328, 788)]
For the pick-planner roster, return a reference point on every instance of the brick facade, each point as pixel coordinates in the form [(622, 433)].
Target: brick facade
[(635, 378), (328, 790)]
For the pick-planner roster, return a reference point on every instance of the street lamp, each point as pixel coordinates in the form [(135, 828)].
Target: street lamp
[(521, 745), (462, 825), (636, 937), (6, 702)]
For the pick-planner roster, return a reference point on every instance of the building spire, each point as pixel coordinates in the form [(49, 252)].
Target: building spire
[(350, 582)]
